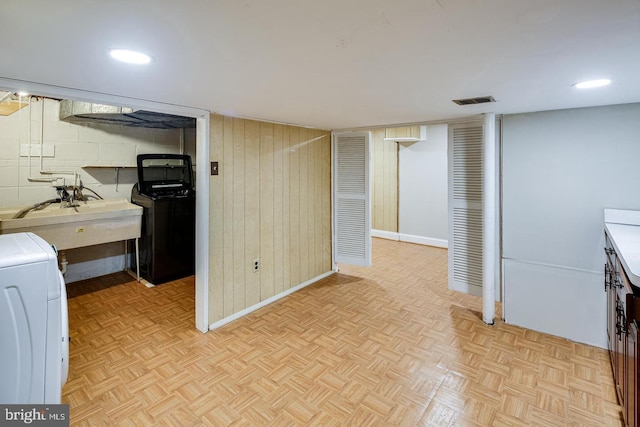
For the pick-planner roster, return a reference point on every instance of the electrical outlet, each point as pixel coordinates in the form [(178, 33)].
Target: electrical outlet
[(256, 265)]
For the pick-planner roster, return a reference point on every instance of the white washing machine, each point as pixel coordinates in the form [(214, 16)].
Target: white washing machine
[(34, 345)]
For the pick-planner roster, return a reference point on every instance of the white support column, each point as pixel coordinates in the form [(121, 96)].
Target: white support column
[(489, 215)]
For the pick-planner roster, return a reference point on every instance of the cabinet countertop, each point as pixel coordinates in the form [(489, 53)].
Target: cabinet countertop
[(626, 241)]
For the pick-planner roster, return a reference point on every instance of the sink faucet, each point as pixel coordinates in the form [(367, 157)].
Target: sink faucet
[(66, 198), (77, 192)]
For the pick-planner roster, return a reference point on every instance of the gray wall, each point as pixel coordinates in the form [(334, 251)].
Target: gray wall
[(560, 170), (422, 188)]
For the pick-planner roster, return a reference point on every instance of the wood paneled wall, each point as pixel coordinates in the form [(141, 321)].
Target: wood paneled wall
[(385, 182), (271, 201), (403, 132)]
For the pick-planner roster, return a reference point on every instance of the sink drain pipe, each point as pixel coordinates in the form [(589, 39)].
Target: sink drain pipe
[(63, 262)]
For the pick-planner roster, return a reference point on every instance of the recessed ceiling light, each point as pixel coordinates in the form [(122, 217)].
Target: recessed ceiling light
[(588, 84), (130, 56), (23, 94)]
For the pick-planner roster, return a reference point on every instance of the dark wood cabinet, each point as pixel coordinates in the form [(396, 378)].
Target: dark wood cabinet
[(623, 309), (631, 377), (610, 287)]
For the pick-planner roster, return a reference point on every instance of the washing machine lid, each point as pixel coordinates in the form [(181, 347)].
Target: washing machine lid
[(160, 174)]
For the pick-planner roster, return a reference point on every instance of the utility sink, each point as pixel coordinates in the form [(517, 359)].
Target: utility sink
[(90, 223)]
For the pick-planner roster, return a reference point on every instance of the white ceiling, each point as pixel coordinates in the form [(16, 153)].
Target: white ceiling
[(332, 63)]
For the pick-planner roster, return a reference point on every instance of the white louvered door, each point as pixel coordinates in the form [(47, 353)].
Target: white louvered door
[(465, 207), (352, 198)]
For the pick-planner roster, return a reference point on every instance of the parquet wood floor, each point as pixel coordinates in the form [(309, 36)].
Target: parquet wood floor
[(388, 345)]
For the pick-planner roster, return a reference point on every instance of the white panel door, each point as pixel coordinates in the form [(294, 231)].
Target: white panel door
[(465, 207), (352, 198)]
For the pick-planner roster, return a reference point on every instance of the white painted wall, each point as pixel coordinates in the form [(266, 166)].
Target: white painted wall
[(560, 170), (76, 146), (422, 191)]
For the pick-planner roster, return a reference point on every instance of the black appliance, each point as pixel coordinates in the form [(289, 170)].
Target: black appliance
[(165, 191)]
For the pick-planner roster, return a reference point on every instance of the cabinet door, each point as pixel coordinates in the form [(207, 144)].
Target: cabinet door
[(631, 374), (620, 350), (611, 309), (612, 317)]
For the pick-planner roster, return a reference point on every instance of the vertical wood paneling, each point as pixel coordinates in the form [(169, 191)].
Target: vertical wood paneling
[(226, 168), (391, 183), (267, 277), (385, 183), (326, 201), (294, 205), (376, 180), (216, 221), (311, 211), (286, 223), (303, 253), (252, 209), (394, 185), (318, 202), (377, 163), (239, 269), (403, 132), (272, 202), (278, 196)]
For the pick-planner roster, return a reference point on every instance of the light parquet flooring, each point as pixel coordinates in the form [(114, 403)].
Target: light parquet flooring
[(387, 345)]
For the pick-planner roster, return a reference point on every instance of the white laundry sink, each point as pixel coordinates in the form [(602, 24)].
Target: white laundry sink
[(90, 223)]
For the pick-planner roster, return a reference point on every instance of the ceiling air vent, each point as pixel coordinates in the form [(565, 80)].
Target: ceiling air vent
[(477, 100)]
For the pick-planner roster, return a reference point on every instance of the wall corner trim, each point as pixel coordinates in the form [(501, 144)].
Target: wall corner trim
[(268, 301)]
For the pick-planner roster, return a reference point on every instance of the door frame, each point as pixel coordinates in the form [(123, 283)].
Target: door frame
[(202, 172)]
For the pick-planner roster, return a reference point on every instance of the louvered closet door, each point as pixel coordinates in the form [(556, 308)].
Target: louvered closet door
[(465, 208), (352, 195)]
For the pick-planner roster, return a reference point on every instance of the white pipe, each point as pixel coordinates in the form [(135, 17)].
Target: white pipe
[(29, 177), (50, 172), (489, 209), (42, 137), (42, 171), (63, 262)]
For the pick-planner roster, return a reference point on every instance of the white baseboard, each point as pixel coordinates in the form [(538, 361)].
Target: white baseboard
[(428, 241), (268, 301), (409, 238), (390, 235)]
